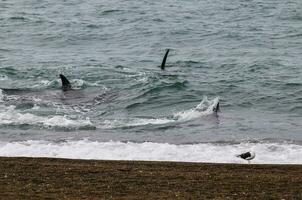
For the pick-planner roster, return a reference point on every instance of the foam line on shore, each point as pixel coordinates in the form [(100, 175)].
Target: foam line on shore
[(266, 153)]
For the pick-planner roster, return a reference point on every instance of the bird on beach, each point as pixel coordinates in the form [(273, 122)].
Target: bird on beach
[(247, 156)]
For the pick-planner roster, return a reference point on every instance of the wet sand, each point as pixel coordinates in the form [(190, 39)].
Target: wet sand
[(48, 178)]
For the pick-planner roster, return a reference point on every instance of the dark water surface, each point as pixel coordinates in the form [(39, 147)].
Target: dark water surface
[(247, 53)]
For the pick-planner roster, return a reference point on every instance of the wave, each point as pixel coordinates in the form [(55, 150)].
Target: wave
[(266, 153), (204, 108), (107, 12), (11, 117), (56, 83), (160, 87), (19, 18)]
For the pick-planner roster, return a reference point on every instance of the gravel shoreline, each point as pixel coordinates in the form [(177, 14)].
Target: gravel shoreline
[(51, 178)]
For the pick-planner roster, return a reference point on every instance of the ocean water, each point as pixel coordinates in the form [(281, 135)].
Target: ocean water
[(245, 54)]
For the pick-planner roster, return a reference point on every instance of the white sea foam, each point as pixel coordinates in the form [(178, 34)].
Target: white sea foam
[(205, 107), (44, 84), (266, 153), (134, 122), (3, 77), (1, 96), (77, 83), (80, 83), (9, 116)]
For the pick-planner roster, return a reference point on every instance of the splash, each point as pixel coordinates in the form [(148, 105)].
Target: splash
[(204, 108)]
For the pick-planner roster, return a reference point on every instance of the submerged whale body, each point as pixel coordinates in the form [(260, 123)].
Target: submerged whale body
[(65, 96)]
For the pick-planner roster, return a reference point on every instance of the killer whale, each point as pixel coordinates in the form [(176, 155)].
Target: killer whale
[(75, 98), (163, 64), (66, 85)]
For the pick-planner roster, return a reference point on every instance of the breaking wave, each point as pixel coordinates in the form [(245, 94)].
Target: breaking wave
[(204, 108), (11, 117), (266, 153)]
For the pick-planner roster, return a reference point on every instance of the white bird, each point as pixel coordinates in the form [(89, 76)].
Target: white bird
[(247, 156)]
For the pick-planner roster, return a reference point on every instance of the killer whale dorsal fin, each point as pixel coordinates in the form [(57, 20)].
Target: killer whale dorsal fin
[(216, 108), (163, 64), (65, 83)]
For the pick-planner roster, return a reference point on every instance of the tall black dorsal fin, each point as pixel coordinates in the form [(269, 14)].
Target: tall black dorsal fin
[(163, 64), (65, 83)]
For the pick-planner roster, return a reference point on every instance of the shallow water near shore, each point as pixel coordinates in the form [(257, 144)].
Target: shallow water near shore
[(244, 54)]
